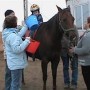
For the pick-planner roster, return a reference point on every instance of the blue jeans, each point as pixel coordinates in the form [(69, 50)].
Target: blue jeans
[(7, 78), (74, 67), (13, 79)]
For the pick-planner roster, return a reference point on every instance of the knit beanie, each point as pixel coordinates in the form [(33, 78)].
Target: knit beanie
[(8, 12)]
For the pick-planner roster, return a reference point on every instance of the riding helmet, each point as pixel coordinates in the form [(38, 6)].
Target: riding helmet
[(34, 7)]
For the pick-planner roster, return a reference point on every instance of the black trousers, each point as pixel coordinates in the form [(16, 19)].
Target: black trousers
[(86, 75)]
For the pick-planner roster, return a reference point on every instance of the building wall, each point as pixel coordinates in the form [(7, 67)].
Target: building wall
[(84, 13), (74, 3)]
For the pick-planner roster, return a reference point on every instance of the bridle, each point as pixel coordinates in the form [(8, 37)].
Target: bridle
[(60, 25), (66, 30)]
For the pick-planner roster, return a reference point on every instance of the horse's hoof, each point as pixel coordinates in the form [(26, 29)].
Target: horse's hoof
[(54, 88), (23, 83), (44, 87)]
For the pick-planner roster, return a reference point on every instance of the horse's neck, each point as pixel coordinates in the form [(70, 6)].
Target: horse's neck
[(55, 29), (52, 23)]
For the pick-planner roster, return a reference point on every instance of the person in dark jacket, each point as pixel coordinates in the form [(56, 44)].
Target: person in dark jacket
[(9, 12), (70, 60), (7, 71)]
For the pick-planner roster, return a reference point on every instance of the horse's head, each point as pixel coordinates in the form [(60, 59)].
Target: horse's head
[(66, 20)]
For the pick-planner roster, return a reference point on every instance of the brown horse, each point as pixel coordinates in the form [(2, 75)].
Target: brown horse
[(49, 34)]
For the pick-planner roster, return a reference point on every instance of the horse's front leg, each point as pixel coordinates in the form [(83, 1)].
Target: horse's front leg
[(54, 65), (44, 71)]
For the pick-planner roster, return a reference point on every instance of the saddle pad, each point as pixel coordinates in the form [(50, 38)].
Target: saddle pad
[(33, 46)]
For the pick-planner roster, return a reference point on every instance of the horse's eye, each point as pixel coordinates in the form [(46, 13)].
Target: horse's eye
[(73, 18), (64, 20)]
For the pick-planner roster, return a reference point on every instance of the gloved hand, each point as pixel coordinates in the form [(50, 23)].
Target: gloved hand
[(29, 38)]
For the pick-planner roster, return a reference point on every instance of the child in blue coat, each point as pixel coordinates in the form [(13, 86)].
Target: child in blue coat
[(34, 20)]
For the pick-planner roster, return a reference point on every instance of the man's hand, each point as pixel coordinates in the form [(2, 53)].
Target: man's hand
[(71, 49)]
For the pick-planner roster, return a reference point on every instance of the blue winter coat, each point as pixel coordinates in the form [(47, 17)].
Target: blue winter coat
[(33, 21), (15, 48)]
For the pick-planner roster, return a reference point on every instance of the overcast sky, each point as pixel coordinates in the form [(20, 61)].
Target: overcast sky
[(47, 8)]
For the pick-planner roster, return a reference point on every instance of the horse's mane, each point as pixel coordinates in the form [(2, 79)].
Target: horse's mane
[(53, 19), (50, 24)]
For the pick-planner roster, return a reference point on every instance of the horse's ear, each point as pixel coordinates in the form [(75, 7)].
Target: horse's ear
[(68, 8), (59, 9)]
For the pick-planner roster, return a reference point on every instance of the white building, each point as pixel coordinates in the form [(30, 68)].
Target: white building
[(80, 10)]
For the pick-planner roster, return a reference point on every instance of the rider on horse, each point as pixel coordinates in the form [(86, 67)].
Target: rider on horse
[(66, 56), (34, 20)]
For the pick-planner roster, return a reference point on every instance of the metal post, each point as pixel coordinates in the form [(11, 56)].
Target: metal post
[(66, 1), (25, 4)]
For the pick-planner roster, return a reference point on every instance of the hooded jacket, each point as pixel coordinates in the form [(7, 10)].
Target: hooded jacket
[(21, 32), (15, 48), (83, 49)]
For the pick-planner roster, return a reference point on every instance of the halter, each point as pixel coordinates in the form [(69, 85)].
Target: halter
[(65, 30)]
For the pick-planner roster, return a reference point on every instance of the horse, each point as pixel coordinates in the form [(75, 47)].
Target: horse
[(50, 34)]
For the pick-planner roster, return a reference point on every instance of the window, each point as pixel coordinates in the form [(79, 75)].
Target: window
[(85, 13), (81, 14), (78, 16)]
